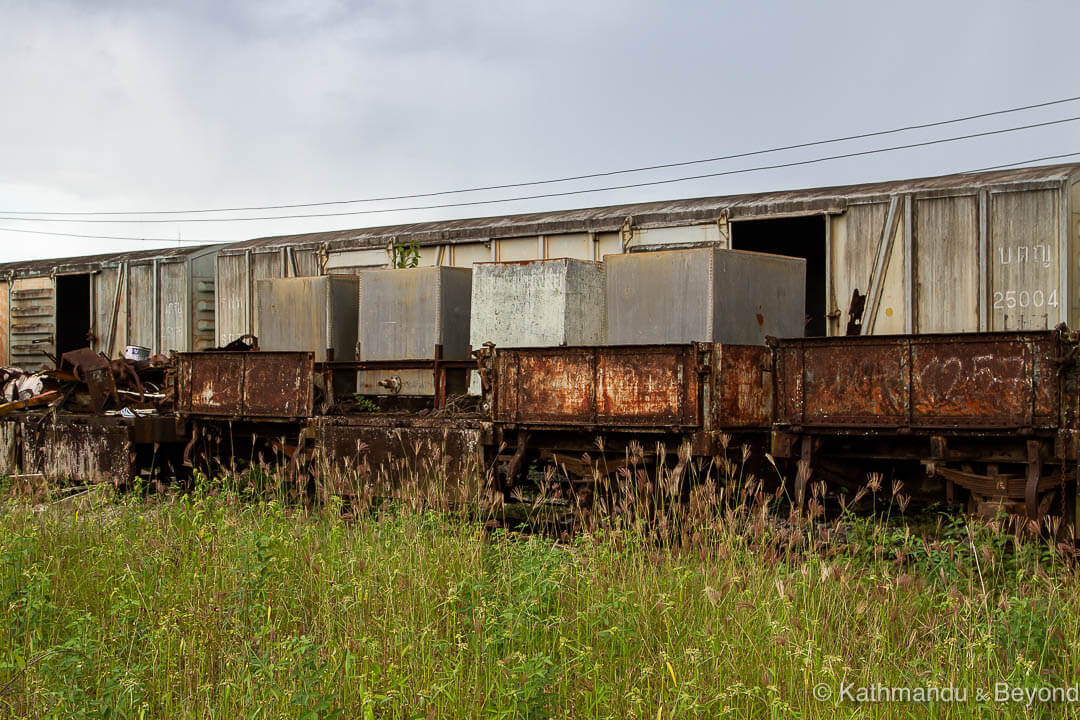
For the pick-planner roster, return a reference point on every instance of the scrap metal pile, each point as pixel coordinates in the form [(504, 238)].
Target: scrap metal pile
[(87, 382)]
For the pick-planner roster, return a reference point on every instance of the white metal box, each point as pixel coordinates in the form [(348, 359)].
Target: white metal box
[(539, 303)]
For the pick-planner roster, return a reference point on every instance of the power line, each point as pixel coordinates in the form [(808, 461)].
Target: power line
[(225, 242), (587, 176), (564, 193), (116, 237), (1024, 162)]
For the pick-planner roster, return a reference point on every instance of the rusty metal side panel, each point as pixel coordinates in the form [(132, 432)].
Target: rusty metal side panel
[(278, 384), (210, 383), (999, 382), (976, 380), (506, 383), (623, 386), (647, 386), (788, 373), (864, 383), (84, 450), (742, 390), (246, 384), (547, 385), (1048, 380)]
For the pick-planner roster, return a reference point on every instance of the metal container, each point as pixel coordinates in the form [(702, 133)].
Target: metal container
[(272, 385), (539, 303), (923, 382), (702, 386), (313, 314), (138, 353), (412, 314), (703, 295)]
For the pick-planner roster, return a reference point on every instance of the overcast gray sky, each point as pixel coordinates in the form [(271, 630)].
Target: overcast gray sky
[(138, 105)]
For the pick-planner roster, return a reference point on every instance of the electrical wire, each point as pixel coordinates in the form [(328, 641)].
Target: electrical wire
[(226, 242), (565, 193), (116, 237), (1024, 162), (570, 178)]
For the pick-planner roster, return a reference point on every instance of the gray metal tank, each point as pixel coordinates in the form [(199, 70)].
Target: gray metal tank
[(703, 295), (317, 314), (412, 314)]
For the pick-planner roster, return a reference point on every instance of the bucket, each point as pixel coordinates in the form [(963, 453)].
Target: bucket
[(137, 353)]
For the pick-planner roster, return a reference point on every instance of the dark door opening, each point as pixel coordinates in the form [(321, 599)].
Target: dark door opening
[(72, 313), (802, 237)]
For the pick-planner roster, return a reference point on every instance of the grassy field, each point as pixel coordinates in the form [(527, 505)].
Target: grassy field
[(213, 606)]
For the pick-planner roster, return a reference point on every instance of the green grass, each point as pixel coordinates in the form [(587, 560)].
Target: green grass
[(207, 607)]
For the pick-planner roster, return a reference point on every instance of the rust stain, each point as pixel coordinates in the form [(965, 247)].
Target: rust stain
[(938, 381), (742, 386), (246, 384), (632, 386), (87, 450), (760, 320)]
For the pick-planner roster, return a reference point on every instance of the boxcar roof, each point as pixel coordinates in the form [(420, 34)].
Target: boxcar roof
[(606, 218), (667, 212), (86, 263)]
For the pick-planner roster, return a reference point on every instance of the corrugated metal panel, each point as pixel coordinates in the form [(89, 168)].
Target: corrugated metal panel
[(890, 315), (33, 329), (668, 213), (568, 245), (140, 303), (853, 243), (104, 324), (607, 244), (4, 323), (519, 248), (264, 265), (1024, 292), (466, 254), (370, 258), (305, 263), (947, 265), (1074, 253), (172, 306), (232, 298), (687, 234)]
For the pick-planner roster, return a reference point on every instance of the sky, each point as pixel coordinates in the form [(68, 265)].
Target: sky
[(135, 105)]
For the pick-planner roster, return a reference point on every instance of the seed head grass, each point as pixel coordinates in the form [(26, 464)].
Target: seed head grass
[(674, 596)]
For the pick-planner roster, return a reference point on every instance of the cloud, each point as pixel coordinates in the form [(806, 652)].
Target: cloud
[(122, 104)]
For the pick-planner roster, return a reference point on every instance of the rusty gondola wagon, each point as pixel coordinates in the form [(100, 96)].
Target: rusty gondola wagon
[(991, 416)]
